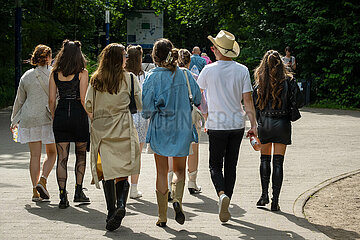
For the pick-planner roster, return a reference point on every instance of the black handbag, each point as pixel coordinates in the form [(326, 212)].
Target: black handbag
[(296, 99), (294, 113), (132, 105)]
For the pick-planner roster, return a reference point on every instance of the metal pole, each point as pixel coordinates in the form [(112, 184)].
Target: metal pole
[(107, 22), (18, 70)]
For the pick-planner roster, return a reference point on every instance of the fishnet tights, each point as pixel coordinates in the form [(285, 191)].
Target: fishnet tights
[(63, 156)]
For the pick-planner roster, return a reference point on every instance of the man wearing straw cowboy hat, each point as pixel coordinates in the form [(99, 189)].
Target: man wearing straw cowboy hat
[(227, 83)]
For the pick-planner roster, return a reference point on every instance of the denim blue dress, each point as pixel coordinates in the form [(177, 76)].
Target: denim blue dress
[(165, 99)]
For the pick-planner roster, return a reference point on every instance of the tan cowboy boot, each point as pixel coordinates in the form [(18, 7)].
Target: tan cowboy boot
[(178, 192), (162, 201)]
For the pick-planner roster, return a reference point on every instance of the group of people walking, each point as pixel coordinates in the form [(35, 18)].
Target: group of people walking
[(129, 107)]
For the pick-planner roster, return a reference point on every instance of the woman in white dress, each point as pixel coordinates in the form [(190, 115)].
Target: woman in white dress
[(133, 65), (32, 118), (184, 61)]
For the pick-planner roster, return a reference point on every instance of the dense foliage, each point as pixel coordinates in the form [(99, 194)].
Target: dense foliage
[(324, 34)]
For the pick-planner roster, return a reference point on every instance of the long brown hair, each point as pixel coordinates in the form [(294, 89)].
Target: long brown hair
[(70, 60), (133, 63), (269, 76), (164, 54), (184, 57), (40, 54), (110, 73)]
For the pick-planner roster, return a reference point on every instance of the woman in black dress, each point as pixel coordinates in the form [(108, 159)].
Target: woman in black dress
[(70, 78), (272, 93)]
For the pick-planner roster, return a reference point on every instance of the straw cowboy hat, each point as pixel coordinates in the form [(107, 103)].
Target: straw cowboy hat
[(226, 44)]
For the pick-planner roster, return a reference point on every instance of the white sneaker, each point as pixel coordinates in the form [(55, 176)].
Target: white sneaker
[(134, 193), (224, 202)]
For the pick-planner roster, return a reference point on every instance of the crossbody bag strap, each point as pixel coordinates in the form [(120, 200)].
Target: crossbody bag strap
[(188, 85), (147, 66), (46, 90), (93, 102), (132, 87)]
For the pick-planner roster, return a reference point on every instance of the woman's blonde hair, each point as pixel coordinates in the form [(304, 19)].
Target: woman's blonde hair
[(133, 63), (110, 73), (164, 54), (269, 76), (184, 57), (39, 55)]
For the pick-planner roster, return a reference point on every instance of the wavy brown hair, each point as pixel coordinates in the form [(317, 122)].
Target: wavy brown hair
[(164, 54), (133, 63), (70, 60), (110, 73), (269, 76), (184, 57), (40, 54)]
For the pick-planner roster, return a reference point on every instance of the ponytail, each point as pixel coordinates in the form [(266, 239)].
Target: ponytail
[(165, 55)]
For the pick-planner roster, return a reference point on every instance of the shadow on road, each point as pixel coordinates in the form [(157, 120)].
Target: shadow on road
[(209, 205), (184, 234), (333, 233), (151, 209), (249, 230), (84, 216)]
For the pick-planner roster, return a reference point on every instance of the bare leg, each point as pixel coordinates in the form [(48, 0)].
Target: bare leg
[(161, 173), (179, 165), (35, 155), (49, 160), (170, 177), (266, 149), (279, 149), (193, 159), (193, 162), (120, 179), (170, 162)]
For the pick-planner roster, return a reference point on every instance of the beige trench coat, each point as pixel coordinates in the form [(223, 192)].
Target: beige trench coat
[(113, 133)]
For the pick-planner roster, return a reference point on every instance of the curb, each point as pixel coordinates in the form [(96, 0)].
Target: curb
[(299, 204)]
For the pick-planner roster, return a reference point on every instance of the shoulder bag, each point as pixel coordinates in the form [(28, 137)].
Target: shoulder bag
[(132, 105), (296, 100), (196, 114)]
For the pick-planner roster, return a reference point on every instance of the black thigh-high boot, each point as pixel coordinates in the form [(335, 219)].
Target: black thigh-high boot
[(265, 172), (277, 179), (110, 197)]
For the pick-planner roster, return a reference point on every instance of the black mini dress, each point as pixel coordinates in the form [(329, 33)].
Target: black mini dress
[(274, 125), (71, 122)]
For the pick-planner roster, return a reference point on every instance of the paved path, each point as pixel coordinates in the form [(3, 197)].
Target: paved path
[(325, 144)]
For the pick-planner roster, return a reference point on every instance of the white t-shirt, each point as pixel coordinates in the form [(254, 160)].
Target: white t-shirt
[(225, 82), (147, 66), (291, 59), (141, 78)]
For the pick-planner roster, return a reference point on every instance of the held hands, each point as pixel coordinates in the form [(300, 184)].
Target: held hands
[(252, 132), (12, 127), (90, 116)]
